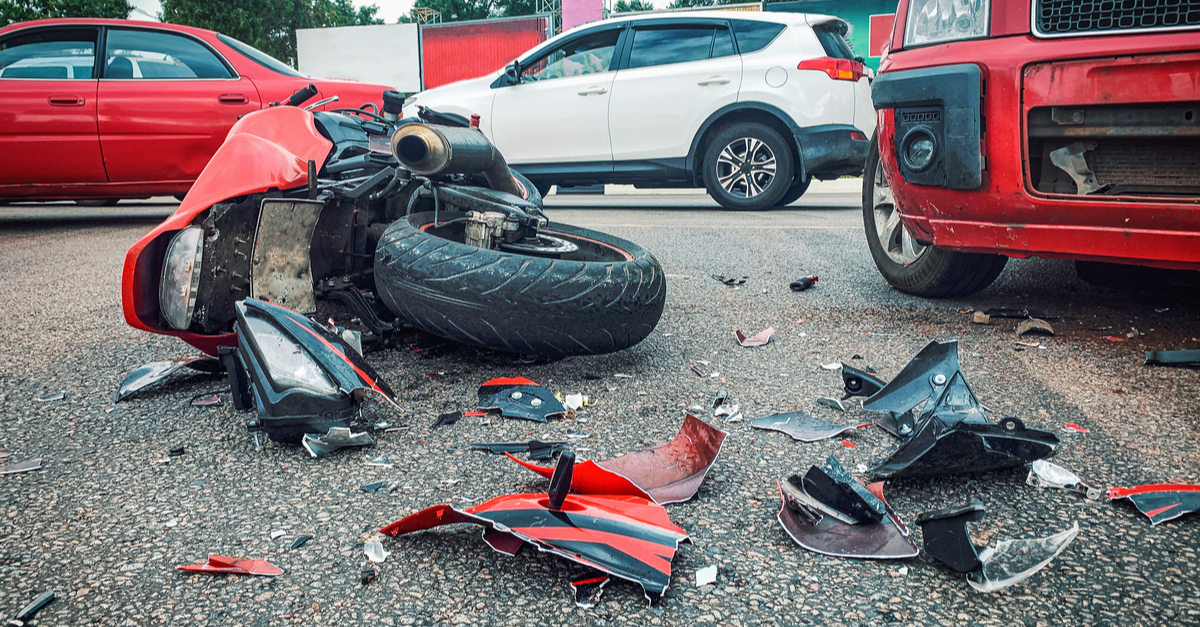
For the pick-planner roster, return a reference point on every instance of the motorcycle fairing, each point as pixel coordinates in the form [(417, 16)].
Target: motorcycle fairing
[(267, 149), (938, 361), (1160, 502), (219, 564), (821, 533), (289, 411), (518, 397), (668, 473), (156, 371), (802, 426), (536, 448)]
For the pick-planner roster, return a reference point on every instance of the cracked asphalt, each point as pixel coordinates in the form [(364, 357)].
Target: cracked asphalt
[(105, 522)]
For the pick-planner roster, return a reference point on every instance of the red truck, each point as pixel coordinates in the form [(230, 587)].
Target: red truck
[(1048, 128)]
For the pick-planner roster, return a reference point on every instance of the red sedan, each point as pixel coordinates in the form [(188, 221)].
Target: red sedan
[(143, 118)]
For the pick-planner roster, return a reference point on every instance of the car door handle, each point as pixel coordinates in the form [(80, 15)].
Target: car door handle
[(66, 101), (593, 90), (232, 99), (713, 80)]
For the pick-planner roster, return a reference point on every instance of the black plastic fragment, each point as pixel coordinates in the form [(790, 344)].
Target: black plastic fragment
[(1173, 358), (372, 487), (560, 482), (300, 542), (448, 418), (832, 485), (921, 378), (732, 281), (946, 537), (536, 448), (367, 575), (176, 451), (27, 612), (528, 402)]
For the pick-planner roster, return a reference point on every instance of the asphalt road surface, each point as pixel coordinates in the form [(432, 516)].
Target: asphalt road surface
[(105, 522)]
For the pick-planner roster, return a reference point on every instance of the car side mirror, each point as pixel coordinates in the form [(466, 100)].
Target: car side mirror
[(512, 73)]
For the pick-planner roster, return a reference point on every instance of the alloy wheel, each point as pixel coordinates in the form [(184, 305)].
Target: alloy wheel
[(893, 236), (746, 167)]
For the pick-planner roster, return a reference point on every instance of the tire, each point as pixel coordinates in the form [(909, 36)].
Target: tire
[(98, 202), (606, 297), (794, 193), (908, 265), (754, 186)]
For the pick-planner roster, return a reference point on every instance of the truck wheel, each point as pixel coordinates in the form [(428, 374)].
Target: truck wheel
[(747, 167), (907, 264), (606, 296)]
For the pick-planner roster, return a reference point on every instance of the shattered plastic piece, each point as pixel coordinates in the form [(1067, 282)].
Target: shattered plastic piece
[(829, 401), (1009, 562), (1019, 314), (574, 401), (981, 318), (818, 528), (622, 375), (802, 426), (381, 462), (176, 451), (722, 397), (372, 487), (57, 396), (537, 449), (860, 382), (474, 414), (1034, 325), (899, 425), (374, 550), (700, 370), (706, 575), (448, 418), (725, 411), (578, 435), (519, 397), (668, 473), (155, 371), (1162, 501), (219, 564), (625, 536), (759, 339), (849, 444), (337, 438), (34, 606), (278, 533), (928, 371), (300, 542), (1173, 358), (803, 283), (833, 365), (19, 467), (1074, 427), (589, 589), (733, 281), (1029, 344), (1044, 474), (367, 574), (832, 485), (206, 400)]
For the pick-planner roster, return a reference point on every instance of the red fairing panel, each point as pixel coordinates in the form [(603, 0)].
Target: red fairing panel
[(625, 536), (221, 565), (268, 149)]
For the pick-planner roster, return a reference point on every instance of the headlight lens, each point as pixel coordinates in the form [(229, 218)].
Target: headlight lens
[(287, 364), (931, 21), (181, 277)]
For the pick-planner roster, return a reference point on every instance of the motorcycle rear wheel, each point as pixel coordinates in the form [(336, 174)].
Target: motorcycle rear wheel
[(605, 297)]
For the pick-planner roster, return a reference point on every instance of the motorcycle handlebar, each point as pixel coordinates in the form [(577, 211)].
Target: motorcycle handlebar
[(302, 95)]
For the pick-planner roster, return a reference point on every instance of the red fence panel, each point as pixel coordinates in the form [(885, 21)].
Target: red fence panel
[(453, 52)]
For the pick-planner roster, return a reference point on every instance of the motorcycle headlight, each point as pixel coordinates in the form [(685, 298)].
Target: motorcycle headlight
[(181, 277), (934, 21), (287, 364)]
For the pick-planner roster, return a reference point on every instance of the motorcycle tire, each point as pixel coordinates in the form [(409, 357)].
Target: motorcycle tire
[(605, 297)]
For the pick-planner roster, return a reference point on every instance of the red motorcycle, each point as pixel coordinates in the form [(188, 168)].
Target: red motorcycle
[(405, 222)]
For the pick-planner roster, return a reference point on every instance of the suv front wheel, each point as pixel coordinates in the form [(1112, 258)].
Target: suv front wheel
[(747, 167), (907, 264)]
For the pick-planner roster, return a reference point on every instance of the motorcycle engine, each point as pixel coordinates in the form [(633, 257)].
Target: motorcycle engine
[(486, 229)]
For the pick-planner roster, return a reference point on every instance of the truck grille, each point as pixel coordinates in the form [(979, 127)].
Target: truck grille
[(1054, 17)]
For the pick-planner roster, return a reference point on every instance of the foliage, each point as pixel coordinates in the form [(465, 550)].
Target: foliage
[(269, 25), (632, 5), (12, 11)]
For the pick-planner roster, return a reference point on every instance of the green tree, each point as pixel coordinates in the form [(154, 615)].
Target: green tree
[(633, 5), (269, 25), (514, 8), (12, 11), (453, 10)]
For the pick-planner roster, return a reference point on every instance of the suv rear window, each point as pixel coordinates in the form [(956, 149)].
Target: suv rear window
[(753, 36), (833, 40)]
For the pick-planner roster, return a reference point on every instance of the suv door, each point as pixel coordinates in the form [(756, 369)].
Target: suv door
[(558, 112), (166, 103), (675, 73), (48, 107)]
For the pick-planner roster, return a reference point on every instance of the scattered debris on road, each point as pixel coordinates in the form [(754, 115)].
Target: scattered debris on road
[(221, 565), (518, 397), (1035, 326), (448, 418), (536, 448), (337, 438), (1044, 474), (157, 371), (706, 576), (758, 339), (19, 467), (34, 606), (1160, 502), (803, 283), (1173, 358), (803, 427)]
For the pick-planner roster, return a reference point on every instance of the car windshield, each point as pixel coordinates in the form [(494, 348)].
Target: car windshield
[(259, 57)]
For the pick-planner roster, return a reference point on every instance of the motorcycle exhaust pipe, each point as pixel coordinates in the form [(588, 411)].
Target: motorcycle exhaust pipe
[(430, 150)]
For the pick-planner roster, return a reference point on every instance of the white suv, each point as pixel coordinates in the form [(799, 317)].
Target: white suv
[(749, 105)]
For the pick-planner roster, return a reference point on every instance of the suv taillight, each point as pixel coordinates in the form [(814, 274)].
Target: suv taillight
[(837, 69)]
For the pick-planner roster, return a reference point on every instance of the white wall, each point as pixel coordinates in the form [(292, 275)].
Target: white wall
[(388, 54)]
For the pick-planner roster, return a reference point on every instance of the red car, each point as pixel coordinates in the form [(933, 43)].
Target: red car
[(1049, 128), (140, 120)]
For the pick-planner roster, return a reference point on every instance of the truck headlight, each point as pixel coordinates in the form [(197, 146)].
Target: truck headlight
[(181, 277), (935, 21)]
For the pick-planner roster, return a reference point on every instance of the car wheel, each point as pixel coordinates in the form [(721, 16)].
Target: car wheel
[(98, 202), (907, 264), (748, 167), (794, 192)]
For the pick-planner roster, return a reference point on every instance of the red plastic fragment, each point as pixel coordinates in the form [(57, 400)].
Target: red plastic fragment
[(474, 413), (849, 444), (219, 564), (1113, 338), (509, 381), (1074, 427)]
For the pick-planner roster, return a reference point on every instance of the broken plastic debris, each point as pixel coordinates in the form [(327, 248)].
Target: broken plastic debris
[(374, 550), (834, 365), (206, 400), (1173, 358), (622, 375), (578, 435), (981, 318), (727, 410), (154, 372), (34, 606), (367, 574), (668, 473), (1162, 501), (706, 575), (860, 382), (700, 370), (721, 398), (732, 281), (574, 401), (625, 536), (19, 467), (300, 542), (518, 397), (829, 401), (1009, 562), (57, 396), (448, 418), (337, 438), (930, 369), (1074, 427), (219, 564), (803, 283), (832, 485), (1006, 312), (758, 339), (817, 527), (176, 451), (1034, 325), (372, 487), (536, 448), (1044, 474), (278, 533), (802, 426), (589, 588)]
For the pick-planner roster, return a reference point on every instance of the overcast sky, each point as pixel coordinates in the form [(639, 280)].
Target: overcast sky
[(391, 10)]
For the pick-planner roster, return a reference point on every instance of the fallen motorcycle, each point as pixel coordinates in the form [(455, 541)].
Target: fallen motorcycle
[(404, 222)]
